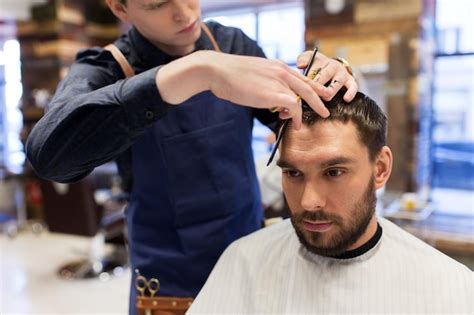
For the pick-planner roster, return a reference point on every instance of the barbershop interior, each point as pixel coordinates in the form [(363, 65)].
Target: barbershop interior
[(64, 246)]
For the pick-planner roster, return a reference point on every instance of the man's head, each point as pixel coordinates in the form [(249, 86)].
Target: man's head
[(331, 169), (171, 25)]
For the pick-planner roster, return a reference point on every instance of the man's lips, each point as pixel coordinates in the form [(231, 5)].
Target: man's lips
[(317, 226), (188, 28)]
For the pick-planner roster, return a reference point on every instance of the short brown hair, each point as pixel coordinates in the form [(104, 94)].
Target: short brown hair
[(363, 111)]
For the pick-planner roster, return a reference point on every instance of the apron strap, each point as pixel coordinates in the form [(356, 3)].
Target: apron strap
[(211, 37), (127, 68), (122, 61)]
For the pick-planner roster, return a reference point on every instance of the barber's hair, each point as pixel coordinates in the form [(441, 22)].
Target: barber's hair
[(124, 2), (363, 111)]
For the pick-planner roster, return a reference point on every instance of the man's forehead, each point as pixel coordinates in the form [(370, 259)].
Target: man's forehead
[(322, 141)]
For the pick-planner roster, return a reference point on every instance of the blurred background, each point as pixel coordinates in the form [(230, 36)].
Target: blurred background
[(62, 246)]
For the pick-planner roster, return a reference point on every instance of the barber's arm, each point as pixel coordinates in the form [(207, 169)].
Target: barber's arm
[(93, 118), (251, 81)]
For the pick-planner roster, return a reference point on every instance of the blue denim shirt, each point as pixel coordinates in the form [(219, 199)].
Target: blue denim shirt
[(189, 168)]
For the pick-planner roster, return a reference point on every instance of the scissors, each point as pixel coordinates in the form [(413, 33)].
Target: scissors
[(311, 75), (142, 285)]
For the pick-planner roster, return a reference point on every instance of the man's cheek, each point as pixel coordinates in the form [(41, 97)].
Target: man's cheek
[(289, 193)]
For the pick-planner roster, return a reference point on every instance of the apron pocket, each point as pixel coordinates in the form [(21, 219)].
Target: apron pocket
[(207, 173)]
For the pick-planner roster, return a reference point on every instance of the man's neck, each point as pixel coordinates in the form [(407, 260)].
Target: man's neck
[(364, 244), (176, 51), (368, 234)]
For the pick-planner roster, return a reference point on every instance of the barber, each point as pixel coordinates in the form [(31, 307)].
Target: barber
[(180, 130)]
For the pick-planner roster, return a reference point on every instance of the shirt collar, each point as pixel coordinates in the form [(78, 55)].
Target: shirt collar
[(361, 253), (152, 56)]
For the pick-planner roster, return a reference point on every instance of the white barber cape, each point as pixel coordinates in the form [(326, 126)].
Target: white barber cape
[(270, 272)]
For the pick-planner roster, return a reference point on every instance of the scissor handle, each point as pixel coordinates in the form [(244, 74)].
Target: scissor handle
[(141, 284), (153, 286)]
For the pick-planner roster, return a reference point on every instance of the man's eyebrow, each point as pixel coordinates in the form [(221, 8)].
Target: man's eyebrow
[(284, 164), (325, 164), (337, 161)]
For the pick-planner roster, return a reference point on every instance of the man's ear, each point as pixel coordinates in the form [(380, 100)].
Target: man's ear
[(118, 9), (383, 167)]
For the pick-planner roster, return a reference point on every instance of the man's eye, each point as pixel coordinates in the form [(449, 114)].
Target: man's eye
[(334, 173), (291, 173), (155, 6)]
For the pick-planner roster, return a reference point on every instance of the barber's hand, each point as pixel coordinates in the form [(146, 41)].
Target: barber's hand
[(263, 83), (330, 70), (248, 81)]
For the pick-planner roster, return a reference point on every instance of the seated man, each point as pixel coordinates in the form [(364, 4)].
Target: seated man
[(334, 255)]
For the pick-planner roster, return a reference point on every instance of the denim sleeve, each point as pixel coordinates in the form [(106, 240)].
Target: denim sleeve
[(93, 117)]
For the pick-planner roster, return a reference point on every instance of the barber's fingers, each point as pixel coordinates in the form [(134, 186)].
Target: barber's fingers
[(295, 73), (303, 59), (296, 118), (328, 92), (326, 73), (352, 88), (290, 108), (329, 69), (306, 92), (294, 83)]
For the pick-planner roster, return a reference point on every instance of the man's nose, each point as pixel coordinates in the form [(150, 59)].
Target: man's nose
[(181, 11), (314, 197)]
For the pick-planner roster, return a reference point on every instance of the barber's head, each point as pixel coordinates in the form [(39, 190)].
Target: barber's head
[(168, 24), (331, 170)]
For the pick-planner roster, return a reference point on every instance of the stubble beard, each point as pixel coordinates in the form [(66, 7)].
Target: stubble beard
[(344, 233)]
